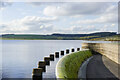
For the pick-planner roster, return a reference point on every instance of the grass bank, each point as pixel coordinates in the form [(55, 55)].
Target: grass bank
[(69, 65)]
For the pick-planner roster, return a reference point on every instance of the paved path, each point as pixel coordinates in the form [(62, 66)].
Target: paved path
[(82, 70), (96, 69), (112, 66)]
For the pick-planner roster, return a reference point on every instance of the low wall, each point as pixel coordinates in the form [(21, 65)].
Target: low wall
[(109, 50), (68, 66)]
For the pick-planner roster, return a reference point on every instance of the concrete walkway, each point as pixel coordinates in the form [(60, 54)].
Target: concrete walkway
[(97, 69), (112, 66), (82, 70)]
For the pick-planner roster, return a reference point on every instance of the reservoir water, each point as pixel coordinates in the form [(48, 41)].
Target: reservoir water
[(19, 57)]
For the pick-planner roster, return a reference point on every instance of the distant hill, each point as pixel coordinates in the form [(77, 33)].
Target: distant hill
[(58, 36), (111, 38), (100, 34)]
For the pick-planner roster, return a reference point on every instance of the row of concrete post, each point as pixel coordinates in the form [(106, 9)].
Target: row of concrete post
[(37, 72)]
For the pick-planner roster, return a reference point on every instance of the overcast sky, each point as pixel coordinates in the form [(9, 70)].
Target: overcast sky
[(47, 18)]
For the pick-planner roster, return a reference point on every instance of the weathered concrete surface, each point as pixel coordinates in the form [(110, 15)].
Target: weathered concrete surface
[(109, 50), (97, 69), (112, 66)]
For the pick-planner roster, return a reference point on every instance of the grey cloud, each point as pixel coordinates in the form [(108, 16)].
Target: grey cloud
[(3, 27), (44, 3), (5, 4), (86, 8)]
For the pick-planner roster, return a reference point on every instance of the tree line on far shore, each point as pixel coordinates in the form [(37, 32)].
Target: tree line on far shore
[(57, 36)]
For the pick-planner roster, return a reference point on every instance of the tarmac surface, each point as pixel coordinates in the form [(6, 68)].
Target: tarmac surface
[(97, 70), (112, 66)]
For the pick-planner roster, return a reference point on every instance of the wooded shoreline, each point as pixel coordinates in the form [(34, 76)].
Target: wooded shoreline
[(105, 36)]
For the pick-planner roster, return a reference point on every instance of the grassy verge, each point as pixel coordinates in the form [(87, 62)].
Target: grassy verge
[(69, 65)]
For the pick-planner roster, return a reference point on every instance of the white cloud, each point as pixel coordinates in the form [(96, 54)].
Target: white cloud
[(37, 19), (28, 24), (92, 28), (14, 26), (107, 18), (112, 25), (84, 29), (78, 29)]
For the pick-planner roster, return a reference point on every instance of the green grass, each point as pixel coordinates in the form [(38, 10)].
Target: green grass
[(69, 65), (109, 38)]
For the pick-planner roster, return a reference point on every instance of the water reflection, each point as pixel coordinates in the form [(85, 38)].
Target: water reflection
[(21, 56)]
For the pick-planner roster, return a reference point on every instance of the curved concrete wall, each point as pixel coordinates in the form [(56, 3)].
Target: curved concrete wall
[(109, 50), (68, 66)]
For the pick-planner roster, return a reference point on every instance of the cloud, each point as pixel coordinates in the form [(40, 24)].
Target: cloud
[(3, 5), (108, 18), (110, 28), (42, 3), (84, 29), (102, 14), (70, 9), (43, 28), (78, 29), (113, 25), (29, 24), (34, 19), (13, 26), (93, 28)]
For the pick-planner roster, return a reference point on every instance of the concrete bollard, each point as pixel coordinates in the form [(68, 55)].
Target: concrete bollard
[(41, 64), (67, 51), (52, 57), (37, 74), (78, 49), (47, 60), (72, 50), (62, 52), (57, 54)]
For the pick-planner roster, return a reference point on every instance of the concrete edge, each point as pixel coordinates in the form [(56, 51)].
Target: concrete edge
[(82, 69)]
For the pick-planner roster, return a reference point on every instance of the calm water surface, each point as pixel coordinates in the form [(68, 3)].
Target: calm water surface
[(19, 57)]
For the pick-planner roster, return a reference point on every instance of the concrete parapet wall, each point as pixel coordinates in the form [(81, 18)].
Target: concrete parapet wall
[(109, 50)]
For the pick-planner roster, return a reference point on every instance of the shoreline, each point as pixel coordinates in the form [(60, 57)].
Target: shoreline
[(39, 39), (53, 39)]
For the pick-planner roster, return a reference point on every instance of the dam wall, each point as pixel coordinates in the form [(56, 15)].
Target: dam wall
[(110, 50)]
